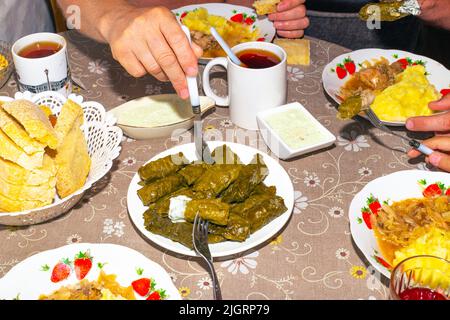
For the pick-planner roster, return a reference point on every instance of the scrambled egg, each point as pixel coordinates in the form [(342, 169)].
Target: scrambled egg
[(409, 97), (435, 242), (108, 295), (3, 62)]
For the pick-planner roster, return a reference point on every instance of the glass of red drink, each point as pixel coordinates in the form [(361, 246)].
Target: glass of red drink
[(421, 278)]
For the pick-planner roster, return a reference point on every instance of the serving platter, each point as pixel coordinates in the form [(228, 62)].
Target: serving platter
[(397, 186), (438, 75), (265, 26), (31, 278), (277, 177)]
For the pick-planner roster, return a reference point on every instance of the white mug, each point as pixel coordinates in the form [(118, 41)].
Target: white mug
[(49, 73), (250, 90)]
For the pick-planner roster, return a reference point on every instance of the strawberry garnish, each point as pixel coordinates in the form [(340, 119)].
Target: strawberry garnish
[(142, 286), (184, 14), (261, 39), (374, 204), (445, 92), (383, 262), (433, 190), (366, 218), (405, 62), (154, 296), (349, 65), (447, 193), (61, 271), (249, 20), (82, 264), (341, 71), (239, 18)]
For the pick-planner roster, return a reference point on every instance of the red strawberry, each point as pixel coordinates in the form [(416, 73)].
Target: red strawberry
[(445, 92), (350, 65), (366, 218), (404, 62), (383, 262), (154, 296), (432, 190), (82, 264), (184, 14), (374, 204), (61, 271), (239, 18), (340, 71), (261, 39), (249, 20), (447, 193), (142, 286)]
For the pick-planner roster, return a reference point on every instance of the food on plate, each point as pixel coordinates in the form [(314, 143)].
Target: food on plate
[(162, 167), (383, 11), (298, 50), (199, 22), (408, 97), (38, 160), (3, 63), (265, 6), (402, 226), (229, 194), (105, 287)]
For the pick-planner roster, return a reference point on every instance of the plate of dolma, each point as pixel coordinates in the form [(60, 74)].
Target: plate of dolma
[(246, 195)]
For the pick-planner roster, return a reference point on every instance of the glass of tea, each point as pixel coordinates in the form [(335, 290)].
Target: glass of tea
[(421, 278), (41, 63)]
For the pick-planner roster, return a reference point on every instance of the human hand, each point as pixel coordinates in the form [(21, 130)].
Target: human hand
[(435, 12), (290, 20), (439, 123), (441, 157), (150, 40)]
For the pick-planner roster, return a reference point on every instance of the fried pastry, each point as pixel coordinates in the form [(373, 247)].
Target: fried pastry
[(263, 7), (298, 50), (12, 152)]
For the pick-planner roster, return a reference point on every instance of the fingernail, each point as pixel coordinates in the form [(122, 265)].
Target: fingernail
[(410, 125), (184, 93), (435, 159), (192, 71)]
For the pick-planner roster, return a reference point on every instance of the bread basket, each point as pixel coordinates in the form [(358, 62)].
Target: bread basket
[(103, 140)]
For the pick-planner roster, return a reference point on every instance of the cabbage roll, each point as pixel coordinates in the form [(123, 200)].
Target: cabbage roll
[(192, 172), (162, 206), (154, 191), (260, 194), (224, 155), (216, 179), (264, 212), (250, 176), (162, 167), (212, 210), (237, 229)]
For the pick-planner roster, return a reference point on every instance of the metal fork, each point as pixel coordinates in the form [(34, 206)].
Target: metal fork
[(200, 240), (373, 118)]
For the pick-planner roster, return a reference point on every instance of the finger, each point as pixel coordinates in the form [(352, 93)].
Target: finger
[(130, 62), (181, 47), (440, 122), (438, 143), (440, 160), (413, 153), (286, 5), (292, 14), (197, 50), (143, 53), (168, 62), (291, 25), (291, 34), (443, 104)]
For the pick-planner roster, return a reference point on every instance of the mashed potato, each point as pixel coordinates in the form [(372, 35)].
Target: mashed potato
[(409, 97)]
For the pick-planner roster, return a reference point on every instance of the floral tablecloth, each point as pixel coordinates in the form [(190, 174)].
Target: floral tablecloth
[(313, 258)]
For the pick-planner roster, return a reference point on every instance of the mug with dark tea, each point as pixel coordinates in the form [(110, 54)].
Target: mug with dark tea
[(258, 84), (41, 63)]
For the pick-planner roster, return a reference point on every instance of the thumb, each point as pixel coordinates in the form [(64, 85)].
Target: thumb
[(443, 104), (440, 160), (197, 50)]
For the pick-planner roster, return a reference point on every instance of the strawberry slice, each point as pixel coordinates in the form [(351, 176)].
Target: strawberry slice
[(239, 18), (261, 39), (82, 264), (61, 271), (349, 65), (341, 71), (383, 262), (445, 92), (447, 193), (433, 190), (184, 14), (249, 20), (154, 296), (142, 286), (366, 218)]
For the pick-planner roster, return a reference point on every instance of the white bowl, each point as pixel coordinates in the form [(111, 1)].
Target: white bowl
[(185, 123), (278, 146), (103, 140)]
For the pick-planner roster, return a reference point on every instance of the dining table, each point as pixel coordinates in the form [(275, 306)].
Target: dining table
[(313, 256)]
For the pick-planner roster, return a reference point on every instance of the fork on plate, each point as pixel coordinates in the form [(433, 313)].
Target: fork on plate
[(200, 240), (373, 118)]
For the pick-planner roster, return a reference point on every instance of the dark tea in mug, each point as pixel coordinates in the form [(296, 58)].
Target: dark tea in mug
[(258, 59), (40, 49)]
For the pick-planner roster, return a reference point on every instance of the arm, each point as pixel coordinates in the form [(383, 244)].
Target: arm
[(142, 40), (436, 12)]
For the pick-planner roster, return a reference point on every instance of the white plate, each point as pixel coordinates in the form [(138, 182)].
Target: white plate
[(394, 187), (184, 111), (265, 26), (439, 76), (28, 280), (277, 177)]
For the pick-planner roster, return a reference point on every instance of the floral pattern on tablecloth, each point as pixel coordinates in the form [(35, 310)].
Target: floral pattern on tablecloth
[(313, 258)]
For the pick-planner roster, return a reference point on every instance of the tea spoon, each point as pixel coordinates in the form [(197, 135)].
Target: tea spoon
[(225, 46)]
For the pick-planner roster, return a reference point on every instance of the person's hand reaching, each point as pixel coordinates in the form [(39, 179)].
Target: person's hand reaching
[(290, 20)]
